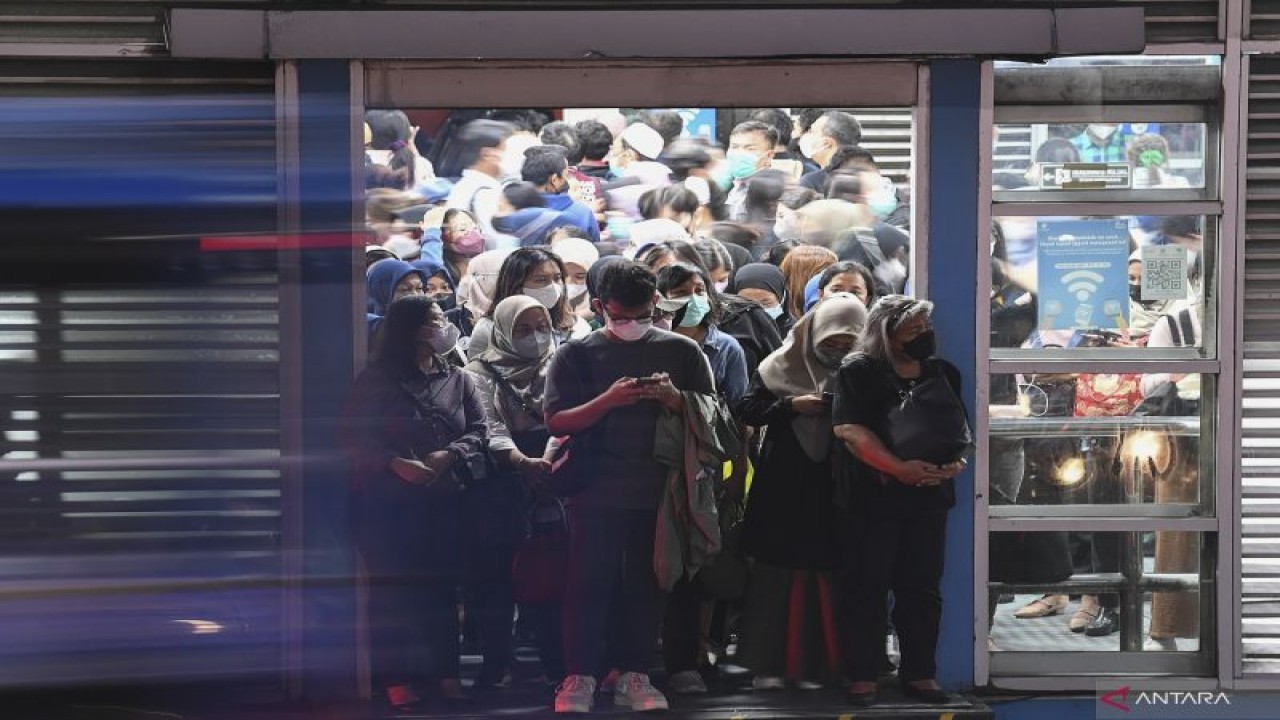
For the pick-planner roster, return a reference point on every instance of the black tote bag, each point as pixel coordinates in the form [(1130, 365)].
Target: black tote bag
[(929, 423)]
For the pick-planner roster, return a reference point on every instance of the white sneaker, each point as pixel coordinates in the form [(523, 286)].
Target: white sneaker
[(768, 682), (808, 685), (575, 694), (610, 682), (1160, 645), (636, 692), (688, 682)]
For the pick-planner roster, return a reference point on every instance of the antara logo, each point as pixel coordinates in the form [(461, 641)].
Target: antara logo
[(1120, 699)]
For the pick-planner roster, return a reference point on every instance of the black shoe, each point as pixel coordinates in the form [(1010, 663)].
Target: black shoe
[(1107, 622), (926, 695), (862, 699)]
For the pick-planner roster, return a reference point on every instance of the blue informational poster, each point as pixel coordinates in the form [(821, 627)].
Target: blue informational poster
[(1083, 274), (698, 122)]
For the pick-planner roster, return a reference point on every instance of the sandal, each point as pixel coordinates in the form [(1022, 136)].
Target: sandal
[(1042, 607), (1083, 618)]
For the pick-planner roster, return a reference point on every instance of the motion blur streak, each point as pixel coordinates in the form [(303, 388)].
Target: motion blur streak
[(140, 443)]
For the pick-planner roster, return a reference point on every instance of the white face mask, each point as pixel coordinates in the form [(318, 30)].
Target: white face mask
[(629, 331), (548, 296), (444, 339), (511, 164), (533, 345), (721, 286), (575, 291), (809, 145)]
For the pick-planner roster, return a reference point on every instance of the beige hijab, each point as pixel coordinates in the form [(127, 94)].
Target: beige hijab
[(477, 288), (794, 369), (527, 377)]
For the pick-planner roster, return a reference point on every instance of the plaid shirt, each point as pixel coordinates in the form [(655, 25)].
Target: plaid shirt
[(1115, 151)]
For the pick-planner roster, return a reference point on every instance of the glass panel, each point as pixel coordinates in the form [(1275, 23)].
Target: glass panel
[(1094, 438), (1112, 156), (1099, 282), (1097, 592)]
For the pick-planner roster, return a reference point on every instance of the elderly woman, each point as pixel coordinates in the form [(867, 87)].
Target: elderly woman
[(896, 504), (413, 426), (791, 523)]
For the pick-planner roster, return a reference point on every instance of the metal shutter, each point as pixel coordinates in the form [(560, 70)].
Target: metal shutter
[(96, 28), (140, 443), (1262, 19), (1260, 483)]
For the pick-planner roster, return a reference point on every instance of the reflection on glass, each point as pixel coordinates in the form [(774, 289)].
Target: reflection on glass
[(1122, 282), (1094, 438), (1099, 156), (1094, 592)]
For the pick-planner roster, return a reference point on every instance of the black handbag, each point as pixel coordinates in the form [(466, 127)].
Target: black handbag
[(1164, 400), (929, 423)]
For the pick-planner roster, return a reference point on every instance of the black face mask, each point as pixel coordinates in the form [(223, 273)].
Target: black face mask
[(1135, 292), (446, 301), (923, 347)]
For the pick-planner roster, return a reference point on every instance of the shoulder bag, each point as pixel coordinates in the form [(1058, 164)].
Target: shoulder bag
[(928, 422)]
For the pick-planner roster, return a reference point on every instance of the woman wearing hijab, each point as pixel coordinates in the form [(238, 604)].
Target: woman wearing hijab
[(765, 285), (387, 281), (439, 285), (537, 273), (413, 426), (509, 376), (475, 292), (789, 629), (578, 256)]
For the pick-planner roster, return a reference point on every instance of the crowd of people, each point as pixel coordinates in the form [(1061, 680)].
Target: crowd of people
[(1089, 468), (606, 408), (631, 389)]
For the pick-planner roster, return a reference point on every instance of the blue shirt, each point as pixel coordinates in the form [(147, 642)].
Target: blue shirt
[(573, 213), (728, 364)]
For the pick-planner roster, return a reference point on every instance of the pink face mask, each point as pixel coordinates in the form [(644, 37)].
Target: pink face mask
[(469, 243)]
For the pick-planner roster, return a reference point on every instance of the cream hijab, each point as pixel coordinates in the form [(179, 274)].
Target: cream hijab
[(477, 288), (794, 369), (527, 377)]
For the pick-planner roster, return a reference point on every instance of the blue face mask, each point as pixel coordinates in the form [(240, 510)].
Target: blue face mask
[(882, 202), (741, 164), (774, 312), (695, 310)]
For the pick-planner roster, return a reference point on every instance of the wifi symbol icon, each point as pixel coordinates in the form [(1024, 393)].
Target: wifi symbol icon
[(1082, 283)]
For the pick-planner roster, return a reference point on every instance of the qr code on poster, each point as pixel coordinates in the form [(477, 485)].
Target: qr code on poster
[(1165, 276)]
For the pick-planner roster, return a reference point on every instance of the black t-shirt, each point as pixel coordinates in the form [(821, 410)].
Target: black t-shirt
[(625, 473), (866, 390)]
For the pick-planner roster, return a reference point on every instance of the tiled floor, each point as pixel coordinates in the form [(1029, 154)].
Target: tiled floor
[(1051, 633)]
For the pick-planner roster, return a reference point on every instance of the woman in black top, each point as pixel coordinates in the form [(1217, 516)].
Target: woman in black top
[(412, 427), (897, 507), (790, 529)]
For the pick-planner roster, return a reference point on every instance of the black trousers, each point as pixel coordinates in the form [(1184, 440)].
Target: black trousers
[(681, 627), (490, 606), (547, 622), (612, 596), (413, 597), (905, 556)]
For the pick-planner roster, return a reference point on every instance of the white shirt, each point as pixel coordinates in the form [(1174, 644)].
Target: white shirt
[(478, 194)]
